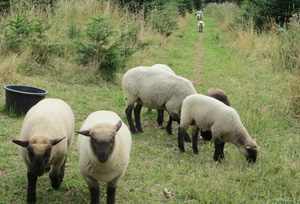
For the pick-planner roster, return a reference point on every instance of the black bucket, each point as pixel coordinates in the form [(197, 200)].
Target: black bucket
[(21, 98)]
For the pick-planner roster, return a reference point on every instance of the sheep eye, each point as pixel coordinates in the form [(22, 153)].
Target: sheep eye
[(30, 154)]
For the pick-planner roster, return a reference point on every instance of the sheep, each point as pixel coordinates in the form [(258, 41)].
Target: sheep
[(156, 89), (104, 144), (160, 113), (201, 26), (199, 15), (224, 122), (221, 96), (47, 133)]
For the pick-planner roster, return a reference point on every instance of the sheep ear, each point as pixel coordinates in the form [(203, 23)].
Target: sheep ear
[(248, 146), (84, 132), (56, 141), (118, 125), (21, 143)]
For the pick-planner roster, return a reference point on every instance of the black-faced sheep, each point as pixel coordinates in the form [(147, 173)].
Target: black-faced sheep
[(224, 122), (220, 95), (156, 89), (46, 135), (104, 144)]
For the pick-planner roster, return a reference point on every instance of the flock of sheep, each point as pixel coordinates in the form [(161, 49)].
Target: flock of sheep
[(199, 16), (104, 141)]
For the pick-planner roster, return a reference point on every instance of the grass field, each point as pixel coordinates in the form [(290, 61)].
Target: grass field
[(259, 94)]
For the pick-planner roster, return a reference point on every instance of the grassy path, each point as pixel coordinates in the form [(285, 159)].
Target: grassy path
[(255, 92)]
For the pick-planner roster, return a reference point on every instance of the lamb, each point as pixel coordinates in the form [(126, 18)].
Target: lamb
[(201, 26), (104, 144), (224, 122), (47, 133), (156, 89), (220, 95), (160, 113)]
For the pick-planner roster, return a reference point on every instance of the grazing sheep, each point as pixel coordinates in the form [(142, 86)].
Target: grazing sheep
[(156, 89), (220, 95), (104, 144), (160, 113), (47, 133), (223, 121), (201, 26)]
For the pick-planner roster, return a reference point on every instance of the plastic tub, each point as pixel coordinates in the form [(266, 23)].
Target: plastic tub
[(21, 98)]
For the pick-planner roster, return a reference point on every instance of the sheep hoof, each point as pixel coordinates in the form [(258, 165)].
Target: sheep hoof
[(140, 131), (133, 131), (196, 151), (181, 149)]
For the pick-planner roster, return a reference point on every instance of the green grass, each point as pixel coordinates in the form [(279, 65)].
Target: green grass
[(258, 94)]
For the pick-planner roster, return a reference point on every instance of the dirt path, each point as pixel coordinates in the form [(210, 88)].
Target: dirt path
[(198, 67)]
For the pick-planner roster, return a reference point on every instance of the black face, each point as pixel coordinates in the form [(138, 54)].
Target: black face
[(252, 154), (38, 161), (102, 149)]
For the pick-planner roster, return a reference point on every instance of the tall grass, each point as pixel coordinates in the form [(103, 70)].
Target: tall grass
[(55, 53), (276, 48)]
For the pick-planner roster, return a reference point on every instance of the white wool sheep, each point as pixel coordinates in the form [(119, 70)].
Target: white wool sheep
[(156, 89), (220, 95), (104, 144), (201, 26), (164, 67), (199, 15), (224, 122), (160, 113), (47, 132)]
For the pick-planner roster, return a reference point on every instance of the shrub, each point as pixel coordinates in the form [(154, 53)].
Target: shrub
[(94, 47)]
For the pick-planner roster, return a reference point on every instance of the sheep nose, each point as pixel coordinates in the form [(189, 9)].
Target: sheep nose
[(103, 157)]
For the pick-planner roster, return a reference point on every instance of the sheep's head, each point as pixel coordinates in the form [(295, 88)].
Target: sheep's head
[(102, 139), (38, 152), (250, 151)]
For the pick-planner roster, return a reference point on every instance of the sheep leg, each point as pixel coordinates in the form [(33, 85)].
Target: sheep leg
[(169, 126), (219, 150), (181, 133), (55, 175), (94, 189), (160, 117), (95, 194), (31, 191), (186, 135), (195, 139), (137, 115), (169, 129), (128, 112)]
